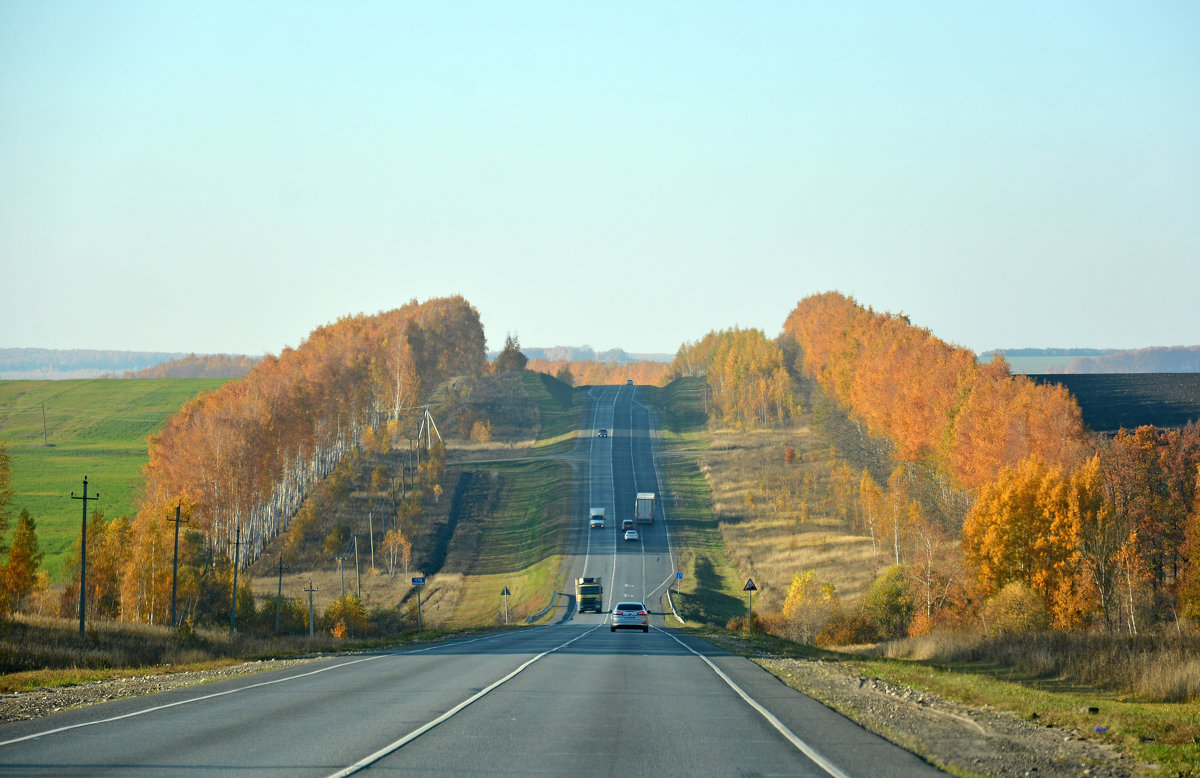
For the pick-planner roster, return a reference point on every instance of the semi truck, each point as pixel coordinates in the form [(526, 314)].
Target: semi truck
[(589, 595), (643, 508)]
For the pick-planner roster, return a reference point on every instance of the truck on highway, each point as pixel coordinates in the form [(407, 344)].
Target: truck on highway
[(589, 595), (643, 508), (596, 518)]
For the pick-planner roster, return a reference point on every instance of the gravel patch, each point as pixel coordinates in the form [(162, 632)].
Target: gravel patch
[(42, 702), (952, 736)]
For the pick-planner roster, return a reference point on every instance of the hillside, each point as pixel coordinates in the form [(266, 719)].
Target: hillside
[(1115, 400), (94, 428), (497, 518)]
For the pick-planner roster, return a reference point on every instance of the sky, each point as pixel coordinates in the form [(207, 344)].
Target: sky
[(224, 177)]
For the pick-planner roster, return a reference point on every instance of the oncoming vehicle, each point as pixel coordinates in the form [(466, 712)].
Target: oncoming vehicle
[(602, 434), (629, 615), (631, 534)]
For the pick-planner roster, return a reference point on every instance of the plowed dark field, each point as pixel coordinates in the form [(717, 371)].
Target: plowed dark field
[(1110, 401)]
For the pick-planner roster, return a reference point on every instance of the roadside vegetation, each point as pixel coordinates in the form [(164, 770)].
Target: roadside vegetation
[(904, 512), (856, 538)]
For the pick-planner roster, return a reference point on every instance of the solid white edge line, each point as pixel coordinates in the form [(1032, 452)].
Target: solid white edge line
[(131, 714), (416, 733), (783, 729)]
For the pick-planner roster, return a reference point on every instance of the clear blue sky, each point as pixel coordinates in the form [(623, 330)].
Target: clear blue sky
[(224, 177)]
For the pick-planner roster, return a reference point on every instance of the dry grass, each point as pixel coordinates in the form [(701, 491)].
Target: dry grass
[(773, 524), (481, 604), (1159, 667), (378, 588)]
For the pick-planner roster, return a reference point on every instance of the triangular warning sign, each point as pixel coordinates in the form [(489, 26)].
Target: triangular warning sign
[(749, 587)]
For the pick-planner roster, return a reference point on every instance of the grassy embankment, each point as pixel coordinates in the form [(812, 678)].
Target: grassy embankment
[(730, 514), (95, 428), (710, 591), (519, 542)]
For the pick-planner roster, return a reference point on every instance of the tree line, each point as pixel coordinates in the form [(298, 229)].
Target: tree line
[(1077, 530), (595, 373), (237, 463), (747, 379)]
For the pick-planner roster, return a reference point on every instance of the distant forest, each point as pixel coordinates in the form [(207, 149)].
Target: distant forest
[(57, 364), (1157, 359), (45, 363)]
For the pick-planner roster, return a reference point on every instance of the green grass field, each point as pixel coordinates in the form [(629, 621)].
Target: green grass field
[(95, 428)]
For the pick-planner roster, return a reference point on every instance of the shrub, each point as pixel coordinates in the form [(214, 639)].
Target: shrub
[(738, 624), (889, 602), (848, 629), (347, 616), (1015, 608)]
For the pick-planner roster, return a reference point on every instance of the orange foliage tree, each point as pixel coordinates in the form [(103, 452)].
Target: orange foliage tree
[(932, 400), (246, 455), (748, 380)]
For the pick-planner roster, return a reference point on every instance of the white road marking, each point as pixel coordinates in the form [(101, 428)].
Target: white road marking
[(177, 703), (783, 729), (416, 733)]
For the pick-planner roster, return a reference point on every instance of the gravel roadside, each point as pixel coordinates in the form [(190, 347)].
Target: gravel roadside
[(42, 702), (952, 736)]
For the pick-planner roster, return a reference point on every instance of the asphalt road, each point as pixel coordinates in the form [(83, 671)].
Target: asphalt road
[(568, 699)]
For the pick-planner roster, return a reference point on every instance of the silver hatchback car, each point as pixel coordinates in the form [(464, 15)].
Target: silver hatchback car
[(630, 615)]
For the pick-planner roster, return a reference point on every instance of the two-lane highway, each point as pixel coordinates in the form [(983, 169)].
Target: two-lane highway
[(568, 699)]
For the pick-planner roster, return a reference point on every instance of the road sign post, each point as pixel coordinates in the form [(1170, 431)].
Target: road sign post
[(750, 589), (505, 595), (419, 582)]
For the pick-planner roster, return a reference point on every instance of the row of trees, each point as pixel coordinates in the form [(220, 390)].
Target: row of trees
[(239, 461), (594, 373), (1097, 532), (747, 376), (934, 401)]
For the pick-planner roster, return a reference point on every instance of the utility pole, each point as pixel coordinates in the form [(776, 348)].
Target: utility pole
[(279, 594), (237, 547), (371, 530), (175, 568), (310, 591), (45, 437), (83, 556), (342, 573), (357, 572)]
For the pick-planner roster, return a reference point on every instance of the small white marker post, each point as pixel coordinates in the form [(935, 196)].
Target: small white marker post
[(505, 595)]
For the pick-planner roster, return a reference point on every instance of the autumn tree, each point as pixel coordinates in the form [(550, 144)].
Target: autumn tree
[(397, 550), (510, 358), (24, 558), (6, 494)]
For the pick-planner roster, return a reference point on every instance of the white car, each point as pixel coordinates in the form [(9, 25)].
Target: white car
[(631, 534), (629, 615)]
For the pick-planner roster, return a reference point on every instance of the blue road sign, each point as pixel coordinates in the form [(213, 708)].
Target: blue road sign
[(679, 576), (419, 581)]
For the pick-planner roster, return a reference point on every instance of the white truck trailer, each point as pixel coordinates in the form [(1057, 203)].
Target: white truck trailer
[(643, 508)]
